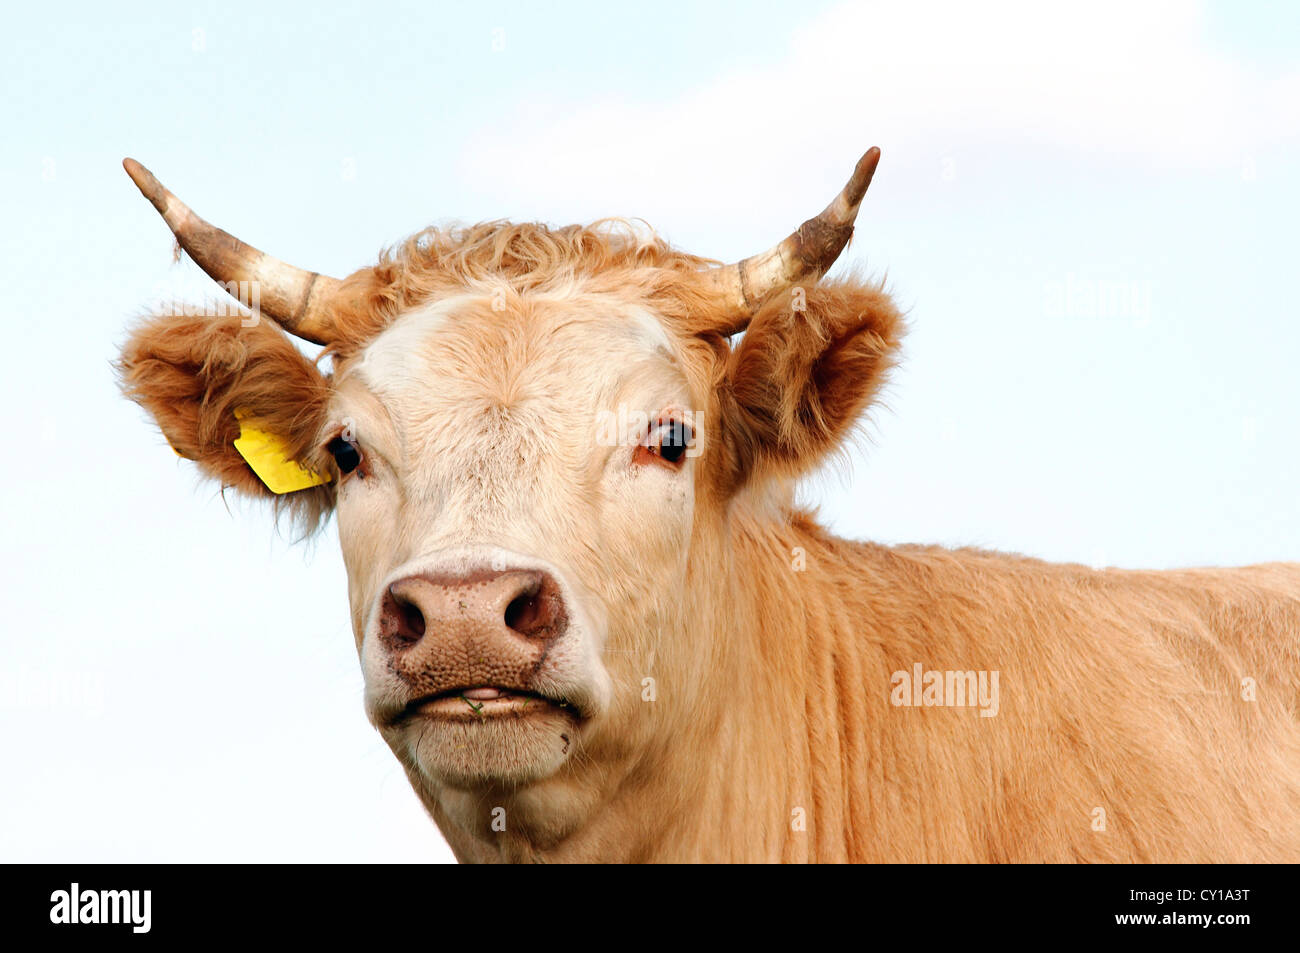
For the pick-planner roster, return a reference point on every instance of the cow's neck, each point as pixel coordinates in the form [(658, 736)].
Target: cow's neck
[(794, 658), (725, 774)]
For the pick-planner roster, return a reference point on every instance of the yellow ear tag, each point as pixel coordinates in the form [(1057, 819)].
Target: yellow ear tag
[(267, 455)]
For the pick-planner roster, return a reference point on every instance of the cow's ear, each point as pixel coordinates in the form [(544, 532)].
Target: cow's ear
[(205, 379), (807, 366)]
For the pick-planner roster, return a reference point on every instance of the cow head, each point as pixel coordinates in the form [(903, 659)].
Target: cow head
[(539, 444)]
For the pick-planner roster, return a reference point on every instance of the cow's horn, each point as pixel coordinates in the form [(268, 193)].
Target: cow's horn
[(807, 253), (297, 300)]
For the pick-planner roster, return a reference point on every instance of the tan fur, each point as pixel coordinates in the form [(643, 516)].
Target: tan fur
[(612, 255), (772, 644), (1120, 691)]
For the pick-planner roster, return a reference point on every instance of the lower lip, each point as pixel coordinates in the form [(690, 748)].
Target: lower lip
[(469, 708)]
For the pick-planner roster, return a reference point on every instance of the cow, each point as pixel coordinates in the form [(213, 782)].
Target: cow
[(594, 625)]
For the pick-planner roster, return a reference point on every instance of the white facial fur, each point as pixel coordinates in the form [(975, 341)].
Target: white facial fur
[(479, 432)]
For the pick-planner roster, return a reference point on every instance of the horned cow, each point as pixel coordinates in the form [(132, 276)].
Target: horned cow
[(593, 624)]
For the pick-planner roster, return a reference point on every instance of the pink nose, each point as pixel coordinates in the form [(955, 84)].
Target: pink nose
[(488, 628)]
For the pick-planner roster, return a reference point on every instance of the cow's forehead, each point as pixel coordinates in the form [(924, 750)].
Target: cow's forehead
[(577, 340)]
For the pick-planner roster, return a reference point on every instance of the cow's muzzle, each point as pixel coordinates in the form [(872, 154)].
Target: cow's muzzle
[(470, 646)]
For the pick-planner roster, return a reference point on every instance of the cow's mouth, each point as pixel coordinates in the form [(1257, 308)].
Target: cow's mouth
[(482, 702)]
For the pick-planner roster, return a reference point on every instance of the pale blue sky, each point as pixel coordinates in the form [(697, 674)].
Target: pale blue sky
[(177, 683)]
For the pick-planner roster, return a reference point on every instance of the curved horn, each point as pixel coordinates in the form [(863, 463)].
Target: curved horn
[(808, 252), (297, 300)]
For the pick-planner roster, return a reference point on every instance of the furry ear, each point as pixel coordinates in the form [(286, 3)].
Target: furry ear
[(192, 373), (809, 363)]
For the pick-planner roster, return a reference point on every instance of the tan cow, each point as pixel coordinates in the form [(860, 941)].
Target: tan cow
[(593, 625)]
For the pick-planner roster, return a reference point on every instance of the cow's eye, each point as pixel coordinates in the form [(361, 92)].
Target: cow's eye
[(346, 454), (673, 441), (666, 445)]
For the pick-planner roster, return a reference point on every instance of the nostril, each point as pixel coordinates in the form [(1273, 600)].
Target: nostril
[(405, 619), (412, 619), (537, 610), (524, 612)]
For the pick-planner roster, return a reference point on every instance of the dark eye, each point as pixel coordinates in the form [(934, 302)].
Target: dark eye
[(346, 454), (666, 445), (672, 446)]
